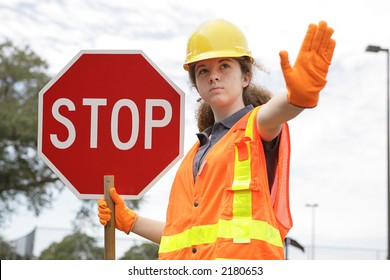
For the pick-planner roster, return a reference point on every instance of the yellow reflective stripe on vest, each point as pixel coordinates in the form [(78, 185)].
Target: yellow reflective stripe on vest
[(242, 198), (208, 234), (249, 124)]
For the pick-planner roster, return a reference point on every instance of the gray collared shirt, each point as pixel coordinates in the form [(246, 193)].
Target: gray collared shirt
[(210, 136)]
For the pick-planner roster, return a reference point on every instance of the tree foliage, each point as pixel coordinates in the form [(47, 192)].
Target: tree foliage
[(80, 246), (77, 246), (24, 179), (145, 251), (7, 252)]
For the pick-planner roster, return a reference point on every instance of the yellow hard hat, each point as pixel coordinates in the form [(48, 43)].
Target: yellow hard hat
[(216, 38)]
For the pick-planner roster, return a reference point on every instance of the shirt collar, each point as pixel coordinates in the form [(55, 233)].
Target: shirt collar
[(228, 123), (233, 119)]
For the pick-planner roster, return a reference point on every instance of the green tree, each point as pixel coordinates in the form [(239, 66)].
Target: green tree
[(145, 251), (24, 179), (77, 246), (7, 252)]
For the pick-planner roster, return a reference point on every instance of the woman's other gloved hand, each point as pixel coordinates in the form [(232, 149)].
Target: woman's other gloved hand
[(307, 78)]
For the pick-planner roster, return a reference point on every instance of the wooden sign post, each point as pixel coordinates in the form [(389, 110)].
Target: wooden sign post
[(109, 229)]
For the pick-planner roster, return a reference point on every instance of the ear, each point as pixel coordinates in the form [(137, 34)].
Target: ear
[(246, 79)]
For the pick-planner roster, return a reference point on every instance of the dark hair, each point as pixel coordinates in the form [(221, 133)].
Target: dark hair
[(252, 94)]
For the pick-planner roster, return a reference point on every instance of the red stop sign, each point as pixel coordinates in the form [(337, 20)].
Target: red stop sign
[(110, 113)]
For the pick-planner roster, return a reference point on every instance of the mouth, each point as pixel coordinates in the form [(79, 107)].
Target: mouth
[(215, 88)]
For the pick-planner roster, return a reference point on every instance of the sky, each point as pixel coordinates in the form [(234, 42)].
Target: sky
[(338, 153)]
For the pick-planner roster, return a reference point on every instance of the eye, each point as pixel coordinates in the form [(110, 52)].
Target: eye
[(202, 71), (225, 66)]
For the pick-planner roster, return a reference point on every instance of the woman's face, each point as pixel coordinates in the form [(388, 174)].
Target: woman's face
[(220, 83)]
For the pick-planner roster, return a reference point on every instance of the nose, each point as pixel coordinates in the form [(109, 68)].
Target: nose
[(214, 76)]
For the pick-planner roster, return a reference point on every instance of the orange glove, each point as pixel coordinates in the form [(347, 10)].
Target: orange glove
[(308, 76), (124, 217)]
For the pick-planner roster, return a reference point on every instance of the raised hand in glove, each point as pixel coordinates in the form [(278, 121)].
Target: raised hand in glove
[(124, 217), (307, 78)]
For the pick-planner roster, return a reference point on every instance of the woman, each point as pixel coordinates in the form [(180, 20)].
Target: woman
[(229, 199)]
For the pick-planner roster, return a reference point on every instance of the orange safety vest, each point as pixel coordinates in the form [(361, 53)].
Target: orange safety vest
[(229, 213)]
